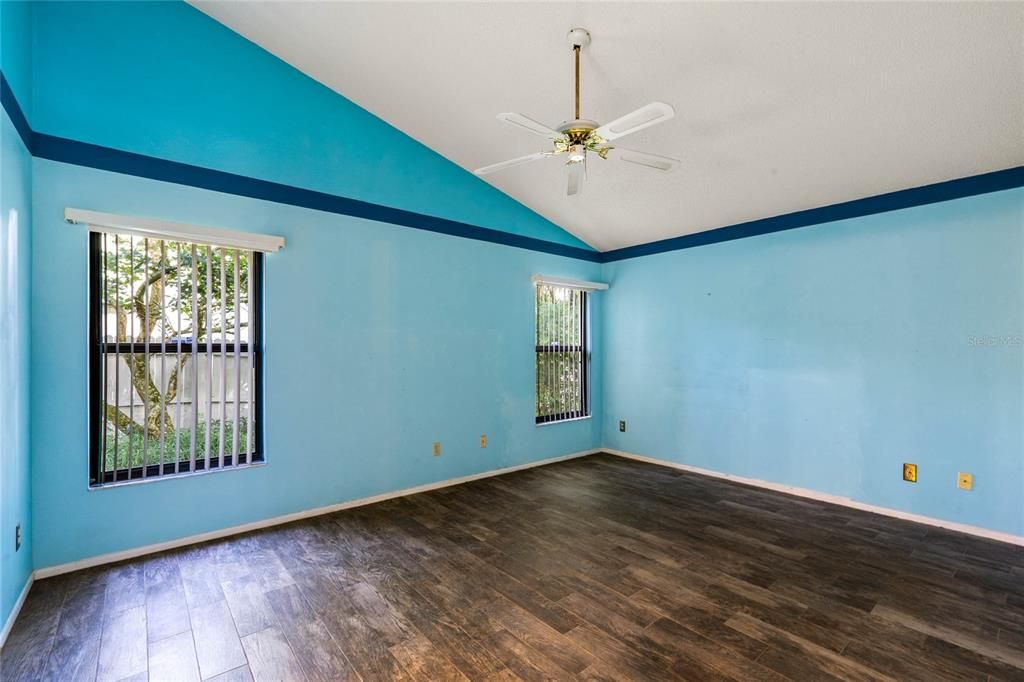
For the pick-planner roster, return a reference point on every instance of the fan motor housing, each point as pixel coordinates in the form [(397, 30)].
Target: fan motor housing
[(577, 130)]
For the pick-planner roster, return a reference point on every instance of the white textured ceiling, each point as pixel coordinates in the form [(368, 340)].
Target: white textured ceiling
[(779, 106)]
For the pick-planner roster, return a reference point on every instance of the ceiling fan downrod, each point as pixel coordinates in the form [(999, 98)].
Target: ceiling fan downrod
[(576, 49), (578, 38)]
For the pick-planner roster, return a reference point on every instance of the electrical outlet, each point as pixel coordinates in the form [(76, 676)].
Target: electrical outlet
[(483, 441), (964, 481), (17, 537), (910, 473), (622, 425), (437, 448)]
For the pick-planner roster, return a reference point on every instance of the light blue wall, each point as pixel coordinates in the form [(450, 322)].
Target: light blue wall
[(379, 341), (15, 263), (163, 79), (825, 357)]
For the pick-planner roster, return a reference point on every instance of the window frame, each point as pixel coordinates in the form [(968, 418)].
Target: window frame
[(99, 347), (584, 350)]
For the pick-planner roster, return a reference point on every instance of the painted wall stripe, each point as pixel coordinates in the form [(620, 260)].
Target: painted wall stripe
[(77, 153), (882, 203), (118, 161), (13, 109), (105, 158)]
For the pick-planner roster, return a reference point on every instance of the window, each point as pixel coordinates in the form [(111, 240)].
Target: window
[(562, 353), (174, 357)]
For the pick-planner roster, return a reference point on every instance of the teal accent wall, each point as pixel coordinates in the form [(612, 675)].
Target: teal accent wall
[(164, 80), (16, 48), (15, 269), (825, 357)]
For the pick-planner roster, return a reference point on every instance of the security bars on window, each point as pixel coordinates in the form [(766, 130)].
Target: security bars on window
[(562, 354), (175, 357)]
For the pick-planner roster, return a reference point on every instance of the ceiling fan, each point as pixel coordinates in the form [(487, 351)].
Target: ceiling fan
[(580, 136)]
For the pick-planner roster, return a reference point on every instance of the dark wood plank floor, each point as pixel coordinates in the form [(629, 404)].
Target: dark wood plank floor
[(597, 568)]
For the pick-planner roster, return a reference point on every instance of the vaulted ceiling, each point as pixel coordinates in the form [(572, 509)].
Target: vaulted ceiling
[(779, 106)]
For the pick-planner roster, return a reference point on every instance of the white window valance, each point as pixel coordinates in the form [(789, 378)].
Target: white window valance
[(567, 282), (164, 229)]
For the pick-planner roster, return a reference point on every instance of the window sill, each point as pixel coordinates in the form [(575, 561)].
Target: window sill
[(564, 421), (176, 477)]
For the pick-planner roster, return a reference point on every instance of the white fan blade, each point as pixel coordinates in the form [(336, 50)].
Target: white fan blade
[(644, 117), (664, 164), (528, 124), (575, 179), (511, 162)]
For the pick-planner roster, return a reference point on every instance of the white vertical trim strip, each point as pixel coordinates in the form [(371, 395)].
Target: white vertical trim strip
[(223, 355), (567, 356), (238, 363), (195, 357), (131, 355), (117, 353), (145, 354), (209, 352), (558, 344), (180, 384), (106, 373), (548, 355), (250, 313)]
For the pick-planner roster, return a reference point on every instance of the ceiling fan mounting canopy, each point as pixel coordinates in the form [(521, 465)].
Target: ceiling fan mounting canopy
[(578, 136), (578, 37)]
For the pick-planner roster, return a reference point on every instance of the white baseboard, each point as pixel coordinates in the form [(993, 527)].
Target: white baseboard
[(13, 616), (832, 499), (112, 557)]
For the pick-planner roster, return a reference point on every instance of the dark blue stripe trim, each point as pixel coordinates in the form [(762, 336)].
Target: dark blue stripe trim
[(882, 203), (89, 155), (13, 109), (104, 158)]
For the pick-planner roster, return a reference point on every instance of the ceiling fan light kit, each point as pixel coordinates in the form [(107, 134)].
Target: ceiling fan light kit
[(581, 136)]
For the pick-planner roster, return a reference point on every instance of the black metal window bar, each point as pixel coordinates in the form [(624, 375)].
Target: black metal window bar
[(175, 357)]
